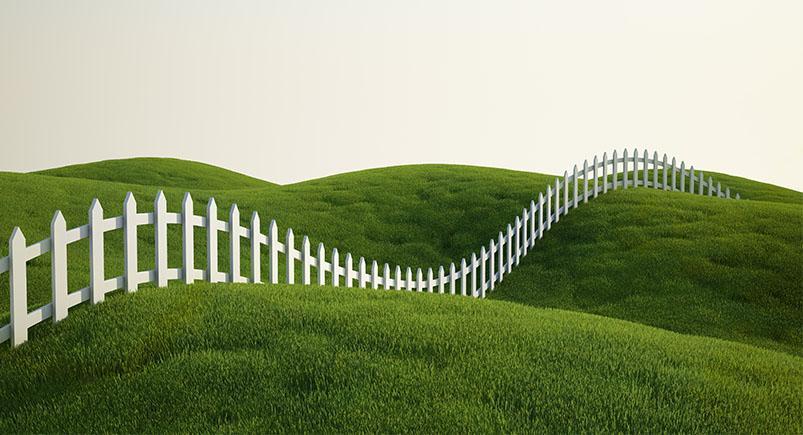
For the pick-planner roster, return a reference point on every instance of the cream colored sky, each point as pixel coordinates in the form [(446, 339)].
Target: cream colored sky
[(288, 90)]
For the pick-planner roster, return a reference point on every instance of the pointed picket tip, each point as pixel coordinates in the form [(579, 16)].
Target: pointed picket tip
[(129, 202), (273, 228), (289, 232), (334, 251), (321, 249), (348, 257), (305, 242), (234, 210), (440, 270), (17, 237), (398, 270), (540, 197), (362, 261), (463, 263), (255, 218), (187, 201), (211, 204), (160, 199), (58, 219), (95, 207)]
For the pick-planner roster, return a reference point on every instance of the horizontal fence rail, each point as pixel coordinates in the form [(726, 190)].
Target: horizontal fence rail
[(472, 276)]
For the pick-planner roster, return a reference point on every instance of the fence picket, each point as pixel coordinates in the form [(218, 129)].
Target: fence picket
[(655, 184), (273, 252), (548, 220), (58, 270), (96, 252), (398, 282), (674, 176), (533, 224), (441, 278), (682, 176), (256, 249), (321, 264), (566, 203), (500, 247), (289, 255), (18, 287), (517, 240), (235, 233), (361, 278), (691, 179), (483, 283), (386, 276), (614, 164), (349, 272), (374, 275), (575, 191), (130, 243), (491, 261), (540, 215), (335, 265), (624, 170), (557, 200), (452, 279), (306, 261), (187, 240), (408, 282), (463, 277), (430, 280), (419, 281), (700, 183), (211, 241), (509, 243), (473, 272)]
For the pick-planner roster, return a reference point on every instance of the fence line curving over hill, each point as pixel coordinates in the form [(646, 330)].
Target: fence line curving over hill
[(473, 276)]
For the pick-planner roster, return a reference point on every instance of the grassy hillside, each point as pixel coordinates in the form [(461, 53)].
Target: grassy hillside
[(696, 265), (250, 358), (162, 172)]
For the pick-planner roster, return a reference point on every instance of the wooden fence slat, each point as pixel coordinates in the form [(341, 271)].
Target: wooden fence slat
[(491, 261), (473, 272), (211, 241), (361, 278), (58, 269), (256, 249), (691, 179), (335, 265), (18, 287), (130, 243), (321, 261), (187, 240), (419, 281), (452, 279), (441, 279), (614, 175), (548, 220), (674, 175), (96, 251), (398, 282), (682, 176), (517, 240), (509, 243), (374, 275), (483, 271), (500, 247), (408, 282), (386, 276), (289, 255), (273, 252), (624, 169), (585, 181), (540, 215), (533, 224), (349, 272), (575, 191), (463, 277), (430, 280), (234, 244), (566, 203), (306, 261), (700, 183), (557, 200)]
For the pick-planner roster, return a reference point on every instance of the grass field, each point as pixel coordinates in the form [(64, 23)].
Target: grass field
[(264, 357)]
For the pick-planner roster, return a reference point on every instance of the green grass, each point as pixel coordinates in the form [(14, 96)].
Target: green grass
[(160, 172), (282, 358), (267, 357)]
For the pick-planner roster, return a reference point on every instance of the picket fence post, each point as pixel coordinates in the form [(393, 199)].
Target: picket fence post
[(306, 263), (321, 262), (361, 278), (557, 200), (691, 179), (548, 209), (211, 241), (18, 287), (452, 279), (683, 176), (501, 257), (463, 277), (419, 281), (441, 278), (509, 243), (58, 270), (160, 237), (130, 243), (540, 215), (483, 284), (289, 255), (374, 275), (566, 203), (430, 280), (624, 168), (398, 275), (349, 272), (96, 252), (517, 240), (614, 165), (408, 282), (234, 244), (533, 225), (187, 239), (473, 272), (491, 260), (273, 252), (335, 265), (575, 192), (256, 249)]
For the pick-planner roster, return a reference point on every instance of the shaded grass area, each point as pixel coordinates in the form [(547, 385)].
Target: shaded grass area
[(270, 358)]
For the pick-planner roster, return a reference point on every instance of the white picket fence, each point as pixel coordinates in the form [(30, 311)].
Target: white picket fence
[(473, 276)]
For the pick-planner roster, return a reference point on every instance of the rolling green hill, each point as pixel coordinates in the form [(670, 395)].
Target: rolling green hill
[(161, 172), (326, 358)]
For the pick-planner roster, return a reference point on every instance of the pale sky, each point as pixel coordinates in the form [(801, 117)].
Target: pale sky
[(288, 90)]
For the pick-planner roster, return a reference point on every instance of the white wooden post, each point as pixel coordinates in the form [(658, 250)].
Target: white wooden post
[(664, 181), (635, 168), (452, 279), (463, 277), (234, 243), (419, 283), (335, 264), (576, 191), (289, 254), (682, 176), (361, 278), (256, 249), (548, 220), (738, 196), (96, 253), (614, 173), (58, 266), (509, 243), (130, 242), (491, 261), (408, 283), (211, 240), (674, 175), (306, 262), (533, 224), (524, 233), (517, 246), (728, 192), (624, 169), (557, 200), (160, 236), (646, 168), (691, 179), (596, 175), (321, 263), (585, 181), (700, 183), (566, 203), (386, 276), (500, 247), (18, 287), (398, 276), (273, 252), (719, 190), (187, 239), (349, 278), (710, 186), (483, 276), (441, 279), (430, 280), (540, 215), (655, 184), (374, 275), (473, 272)]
